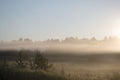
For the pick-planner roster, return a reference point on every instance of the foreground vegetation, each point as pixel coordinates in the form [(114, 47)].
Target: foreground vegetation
[(25, 68), (10, 73), (37, 67)]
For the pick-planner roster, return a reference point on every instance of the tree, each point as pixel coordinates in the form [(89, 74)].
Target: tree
[(93, 39), (40, 62), (20, 60)]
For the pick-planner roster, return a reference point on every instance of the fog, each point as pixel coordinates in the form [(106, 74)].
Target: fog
[(66, 45), (78, 57)]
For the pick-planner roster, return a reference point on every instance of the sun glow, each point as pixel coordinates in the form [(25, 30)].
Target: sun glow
[(116, 28), (117, 32)]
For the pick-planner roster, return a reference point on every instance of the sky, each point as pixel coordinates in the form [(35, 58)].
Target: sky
[(43, 19)]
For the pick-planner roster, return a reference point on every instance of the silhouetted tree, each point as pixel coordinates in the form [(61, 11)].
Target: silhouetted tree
[(20, 39), (20, 60), (40, 62), (93, 39), (105, 38)]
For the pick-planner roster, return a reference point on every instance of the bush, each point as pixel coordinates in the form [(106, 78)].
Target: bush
[(21, 59), (40, 62)]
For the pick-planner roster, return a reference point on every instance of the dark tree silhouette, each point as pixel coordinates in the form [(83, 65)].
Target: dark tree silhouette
[(40, 62), (20, 60)]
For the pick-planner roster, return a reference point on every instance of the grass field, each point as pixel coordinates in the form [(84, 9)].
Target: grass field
[(71, 66)]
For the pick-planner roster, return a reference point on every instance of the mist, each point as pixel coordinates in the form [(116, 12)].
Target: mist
[(67, 45)]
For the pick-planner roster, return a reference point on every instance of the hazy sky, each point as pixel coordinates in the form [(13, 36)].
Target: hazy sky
[(42, 19)]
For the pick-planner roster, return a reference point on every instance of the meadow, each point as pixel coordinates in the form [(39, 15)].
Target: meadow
[(65, 66)]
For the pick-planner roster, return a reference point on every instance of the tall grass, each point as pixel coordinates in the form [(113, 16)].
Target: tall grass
[(10, 71)]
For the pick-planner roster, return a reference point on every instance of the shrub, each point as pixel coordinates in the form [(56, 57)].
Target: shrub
[(40, 62), (21, 59)]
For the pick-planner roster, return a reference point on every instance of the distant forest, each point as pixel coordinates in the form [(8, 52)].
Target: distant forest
[(67, 40), (110, 43)]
